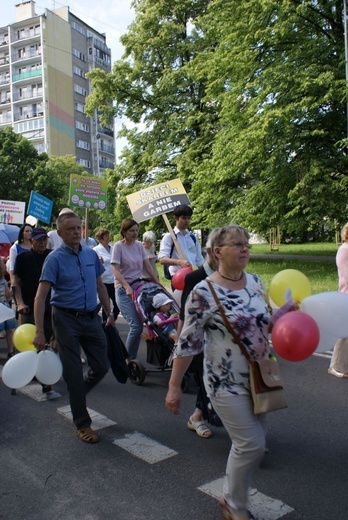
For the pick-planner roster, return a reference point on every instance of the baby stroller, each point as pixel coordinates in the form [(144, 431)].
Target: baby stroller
[(159, 347)]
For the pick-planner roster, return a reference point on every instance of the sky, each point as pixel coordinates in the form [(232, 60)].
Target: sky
[(111, 17)]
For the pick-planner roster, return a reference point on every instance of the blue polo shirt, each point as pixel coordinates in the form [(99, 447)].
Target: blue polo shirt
[(73, 277)]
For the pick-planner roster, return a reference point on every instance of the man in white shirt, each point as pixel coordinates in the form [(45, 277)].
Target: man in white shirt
[(188, 243)]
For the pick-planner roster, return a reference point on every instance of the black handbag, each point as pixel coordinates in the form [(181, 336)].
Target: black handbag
[(117, 354)]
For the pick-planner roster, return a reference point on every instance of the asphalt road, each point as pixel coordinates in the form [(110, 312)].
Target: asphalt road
[(46, 473)]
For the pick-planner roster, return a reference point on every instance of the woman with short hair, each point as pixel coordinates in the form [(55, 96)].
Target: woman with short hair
[(149, 239), (103, 250), (226, 370)]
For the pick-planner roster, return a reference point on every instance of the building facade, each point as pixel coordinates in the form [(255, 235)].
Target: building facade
[(44, 60)]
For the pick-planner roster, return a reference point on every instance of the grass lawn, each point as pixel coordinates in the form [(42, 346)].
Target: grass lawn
[(317, 249), (321, 274)]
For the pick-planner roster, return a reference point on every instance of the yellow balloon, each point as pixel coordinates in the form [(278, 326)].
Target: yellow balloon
[(23, 337), (289, 279)]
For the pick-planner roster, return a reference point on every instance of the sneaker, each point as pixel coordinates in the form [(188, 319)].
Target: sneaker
[(51, 394)]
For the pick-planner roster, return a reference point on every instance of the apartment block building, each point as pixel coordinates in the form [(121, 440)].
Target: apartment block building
[(43, 86)]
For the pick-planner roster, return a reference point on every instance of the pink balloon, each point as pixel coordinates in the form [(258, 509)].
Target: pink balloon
[(295, 336), (178, 280)]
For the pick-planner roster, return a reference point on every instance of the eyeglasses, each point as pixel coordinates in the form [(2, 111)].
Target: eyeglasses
[(239, 245)]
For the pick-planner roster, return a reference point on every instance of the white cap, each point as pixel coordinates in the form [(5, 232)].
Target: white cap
[(160, 299)]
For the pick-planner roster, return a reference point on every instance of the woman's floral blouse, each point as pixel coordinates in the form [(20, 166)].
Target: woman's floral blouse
[(226, 370)]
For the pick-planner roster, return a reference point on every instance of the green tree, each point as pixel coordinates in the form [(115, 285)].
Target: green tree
[(244, 101), (154, 88), (52, 179), (18, 160), (278, 76), (23, 170)]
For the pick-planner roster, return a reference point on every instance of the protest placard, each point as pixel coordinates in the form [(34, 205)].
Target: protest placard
[(157, 200)]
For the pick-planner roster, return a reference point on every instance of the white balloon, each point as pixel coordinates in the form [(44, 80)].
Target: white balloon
[(49, 369), (177, 296), (326, 341), (6, 313), (330, 311), (31, 220), (20, 369)]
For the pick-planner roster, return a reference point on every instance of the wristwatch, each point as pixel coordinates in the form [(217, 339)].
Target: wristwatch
[(111, 314)]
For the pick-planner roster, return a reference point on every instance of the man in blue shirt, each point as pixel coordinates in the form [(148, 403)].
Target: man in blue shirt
[(73, 274)]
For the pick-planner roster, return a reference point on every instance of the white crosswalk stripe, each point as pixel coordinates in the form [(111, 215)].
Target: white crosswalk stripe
[(144, 448), (262, 506), (34, 390), (99, 421)]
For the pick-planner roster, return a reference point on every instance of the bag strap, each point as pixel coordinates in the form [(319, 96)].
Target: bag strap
[(193, 238), (226, 322)]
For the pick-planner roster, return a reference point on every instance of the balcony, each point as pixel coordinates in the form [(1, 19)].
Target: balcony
[(4, 81), (27, 75), (99, 44), (4, 60), (28, 115), (26, 35), (27, 95), (104, 163), (27, 57), (106, 148), (106, 131)]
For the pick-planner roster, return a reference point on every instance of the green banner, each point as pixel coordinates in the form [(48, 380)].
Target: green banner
[(88, 192)]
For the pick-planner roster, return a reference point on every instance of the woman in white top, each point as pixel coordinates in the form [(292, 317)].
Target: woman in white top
[(23, 244), (103, 250), (128, 259), (149, 239)]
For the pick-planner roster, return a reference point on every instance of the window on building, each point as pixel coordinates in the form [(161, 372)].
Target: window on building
[(80, 107), (80, 90), (82, 144), (78, 28), (84, 163), (78, 54), (82, 126), (78, 71)]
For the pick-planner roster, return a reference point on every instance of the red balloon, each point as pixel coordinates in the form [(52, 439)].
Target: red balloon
[(295, 336), (178, 280)]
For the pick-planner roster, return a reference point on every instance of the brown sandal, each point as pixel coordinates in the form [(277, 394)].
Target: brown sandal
[(228, 513), (87, 435)]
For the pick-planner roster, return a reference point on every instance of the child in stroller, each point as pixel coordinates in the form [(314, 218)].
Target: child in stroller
[(159, 344), (165, 320)]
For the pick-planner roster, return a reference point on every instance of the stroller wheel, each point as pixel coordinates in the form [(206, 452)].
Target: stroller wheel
[(136, 371), (185, 384)]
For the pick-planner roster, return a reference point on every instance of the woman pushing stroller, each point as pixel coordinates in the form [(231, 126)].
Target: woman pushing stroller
[(128, 259)]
